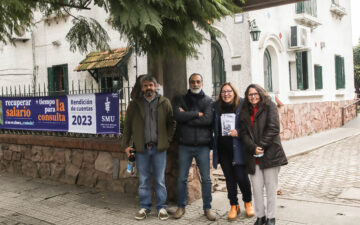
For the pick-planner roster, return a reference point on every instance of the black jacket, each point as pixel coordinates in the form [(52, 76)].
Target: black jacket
[(265, 134), (192, 129)]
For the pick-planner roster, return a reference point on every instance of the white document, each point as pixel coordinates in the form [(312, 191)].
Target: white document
[(227, 123)]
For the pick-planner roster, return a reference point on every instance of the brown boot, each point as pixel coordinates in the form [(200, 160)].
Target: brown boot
[(210, 215), (234, 211), (250, 212), (179, 213)]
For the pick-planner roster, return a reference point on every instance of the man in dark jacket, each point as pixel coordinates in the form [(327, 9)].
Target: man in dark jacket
[(193, 113)]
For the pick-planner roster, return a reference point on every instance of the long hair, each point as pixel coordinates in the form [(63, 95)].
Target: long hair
[(264, 96), (236, 100)]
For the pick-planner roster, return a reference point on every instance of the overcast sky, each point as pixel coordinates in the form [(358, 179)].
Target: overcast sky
[(355, 19)]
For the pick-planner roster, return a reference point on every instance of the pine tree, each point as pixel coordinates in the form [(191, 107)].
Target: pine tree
[(150, 26)]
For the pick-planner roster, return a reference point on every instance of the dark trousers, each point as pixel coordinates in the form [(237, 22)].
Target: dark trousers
[(235, 176)]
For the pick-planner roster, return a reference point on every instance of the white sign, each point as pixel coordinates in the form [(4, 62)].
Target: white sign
[(82, 113)]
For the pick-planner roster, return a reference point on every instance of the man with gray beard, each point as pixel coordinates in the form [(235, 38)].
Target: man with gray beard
[(194, 115)]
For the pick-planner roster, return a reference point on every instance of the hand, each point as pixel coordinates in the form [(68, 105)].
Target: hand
[(201, 114), (128, 149), (233, 133), (181, 109), (259, 151)]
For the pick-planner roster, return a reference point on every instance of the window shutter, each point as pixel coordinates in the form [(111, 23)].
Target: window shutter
[(65, 77), (50, 80), (318, 77), (299, 71), (305, 78), (342, 72), (300, 7), (337, 72)]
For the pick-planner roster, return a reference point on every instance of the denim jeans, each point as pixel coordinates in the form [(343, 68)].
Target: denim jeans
[(154, 161), (186, 155)]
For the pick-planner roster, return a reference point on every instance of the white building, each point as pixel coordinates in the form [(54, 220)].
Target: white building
[(303, 56)]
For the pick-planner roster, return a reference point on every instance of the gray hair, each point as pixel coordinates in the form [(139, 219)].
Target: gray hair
[(194, 74), (148, 78)]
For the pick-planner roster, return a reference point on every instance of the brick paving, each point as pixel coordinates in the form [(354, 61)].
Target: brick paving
[(325, 173), (321, 175)]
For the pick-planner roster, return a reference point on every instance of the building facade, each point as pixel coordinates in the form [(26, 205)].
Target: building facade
[(303, 57)]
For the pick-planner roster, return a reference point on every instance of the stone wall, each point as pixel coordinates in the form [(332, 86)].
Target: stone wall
[(93, 163), (90, 162), (298, 120)]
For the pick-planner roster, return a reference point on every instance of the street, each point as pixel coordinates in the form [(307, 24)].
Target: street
[(320, 187)]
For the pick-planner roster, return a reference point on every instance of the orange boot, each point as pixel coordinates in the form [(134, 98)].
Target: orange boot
[(234, 211), (250, 212)]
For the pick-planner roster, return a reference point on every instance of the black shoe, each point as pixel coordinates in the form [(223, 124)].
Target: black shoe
[(261, 221), (270, 221)]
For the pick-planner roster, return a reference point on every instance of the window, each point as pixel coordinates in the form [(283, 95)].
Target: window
[(318, 77), (339, 72), (267, 72), (302, 70), (336, 2), (58, 80), (218, 67), (112, 79), (307, 7)]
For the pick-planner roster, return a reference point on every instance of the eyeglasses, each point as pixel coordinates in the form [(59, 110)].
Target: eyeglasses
[(195, 82), (253, 95), (226, 92)]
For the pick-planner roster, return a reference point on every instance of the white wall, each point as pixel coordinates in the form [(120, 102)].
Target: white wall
[(335, 33), (18, 59)]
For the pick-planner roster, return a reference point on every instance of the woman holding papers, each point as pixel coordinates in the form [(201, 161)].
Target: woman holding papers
[(260, 128), (228, 149)]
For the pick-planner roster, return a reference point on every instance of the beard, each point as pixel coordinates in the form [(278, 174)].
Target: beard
[(195, 90), (149, 93)]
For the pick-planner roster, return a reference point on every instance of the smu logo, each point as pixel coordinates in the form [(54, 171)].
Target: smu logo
[(107, 105), (107, 118)]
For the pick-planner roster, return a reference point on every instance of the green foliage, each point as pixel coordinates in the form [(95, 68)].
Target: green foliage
[(15, 15), (160, 26), (356, 53), (151, 26), (85, 33)]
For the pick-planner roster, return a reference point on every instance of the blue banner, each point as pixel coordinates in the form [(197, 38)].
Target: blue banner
[(89, 113)]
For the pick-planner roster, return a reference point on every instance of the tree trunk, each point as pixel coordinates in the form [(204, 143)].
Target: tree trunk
[(170, 71)]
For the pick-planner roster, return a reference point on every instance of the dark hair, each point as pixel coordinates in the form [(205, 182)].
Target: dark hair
[(194, 74), (136, 91), (148, 78), (236, 101), (264, 96)]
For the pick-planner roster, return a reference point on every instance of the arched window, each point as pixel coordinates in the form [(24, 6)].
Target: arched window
[(267, 72), (218, 67)]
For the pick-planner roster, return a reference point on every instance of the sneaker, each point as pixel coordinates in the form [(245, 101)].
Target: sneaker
[(179, 213), (210, 215), (142, 214), (163, 215)]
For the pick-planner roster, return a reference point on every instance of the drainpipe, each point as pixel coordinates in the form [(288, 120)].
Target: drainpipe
[(34, 62)]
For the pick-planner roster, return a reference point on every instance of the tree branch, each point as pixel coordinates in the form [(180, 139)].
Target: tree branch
[(68, 5)]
